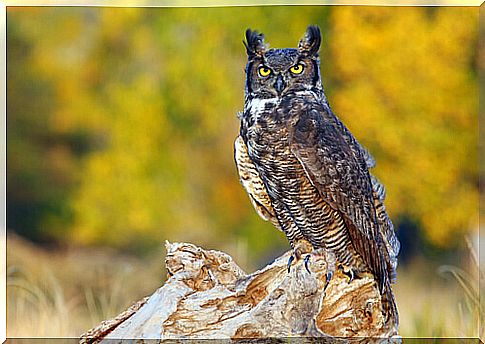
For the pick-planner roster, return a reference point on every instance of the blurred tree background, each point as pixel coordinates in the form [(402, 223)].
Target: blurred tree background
[(121, 121)]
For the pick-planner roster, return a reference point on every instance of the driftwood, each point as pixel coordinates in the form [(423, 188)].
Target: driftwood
[(207, 296)]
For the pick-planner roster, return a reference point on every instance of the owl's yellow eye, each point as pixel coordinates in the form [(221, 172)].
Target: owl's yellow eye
[(297, 69), (264, 71)]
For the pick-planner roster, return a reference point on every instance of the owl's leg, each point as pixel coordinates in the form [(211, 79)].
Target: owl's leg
[(300, 248)]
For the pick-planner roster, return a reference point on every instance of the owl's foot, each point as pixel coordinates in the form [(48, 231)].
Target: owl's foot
[(350, 273), (330, 259), (299, 249)]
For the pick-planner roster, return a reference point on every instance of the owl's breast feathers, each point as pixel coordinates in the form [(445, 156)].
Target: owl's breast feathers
[(301, 128), (252, 183)]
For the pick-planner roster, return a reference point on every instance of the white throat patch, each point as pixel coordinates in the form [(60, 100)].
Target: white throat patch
[(256, 105)]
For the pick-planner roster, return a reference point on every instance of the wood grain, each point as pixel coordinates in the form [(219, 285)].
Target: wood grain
[(208, 296)]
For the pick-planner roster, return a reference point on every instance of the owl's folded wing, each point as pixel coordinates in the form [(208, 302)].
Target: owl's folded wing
[(252, 182), (386, 227), (342, 180)]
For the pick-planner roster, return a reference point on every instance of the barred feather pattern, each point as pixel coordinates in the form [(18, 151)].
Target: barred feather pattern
[(271, 164), (386, 227), (300, 210)]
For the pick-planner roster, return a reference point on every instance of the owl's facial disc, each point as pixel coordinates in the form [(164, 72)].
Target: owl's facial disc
[(274, 73), (280, 71)]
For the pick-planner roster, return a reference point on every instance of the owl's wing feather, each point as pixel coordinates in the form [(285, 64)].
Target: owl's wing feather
[(358, 149), (252, 182), (386, 227), (379, 189), (385, 224), (389, 237), (341, 176)]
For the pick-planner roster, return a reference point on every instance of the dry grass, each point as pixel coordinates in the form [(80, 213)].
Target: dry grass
[(433, 303), (64, 293)]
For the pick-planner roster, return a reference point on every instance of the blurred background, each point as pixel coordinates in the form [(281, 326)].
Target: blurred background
[(121, 124)]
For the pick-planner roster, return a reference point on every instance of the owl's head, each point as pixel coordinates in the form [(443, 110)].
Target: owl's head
[(276, 72)]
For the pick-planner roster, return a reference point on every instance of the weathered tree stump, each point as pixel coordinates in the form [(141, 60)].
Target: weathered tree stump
[(207, 296)]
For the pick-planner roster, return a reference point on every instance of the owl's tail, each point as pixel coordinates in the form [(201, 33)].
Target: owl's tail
[(389, 307)]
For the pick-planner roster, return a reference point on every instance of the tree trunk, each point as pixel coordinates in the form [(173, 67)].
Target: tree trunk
[(207, 296)]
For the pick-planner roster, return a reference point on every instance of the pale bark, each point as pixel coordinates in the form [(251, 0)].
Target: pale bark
[(207, 296)]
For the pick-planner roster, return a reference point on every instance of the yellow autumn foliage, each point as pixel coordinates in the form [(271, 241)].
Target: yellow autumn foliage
[(133, 110), (408, 91)]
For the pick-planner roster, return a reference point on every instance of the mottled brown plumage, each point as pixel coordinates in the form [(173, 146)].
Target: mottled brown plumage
[(303, 169)]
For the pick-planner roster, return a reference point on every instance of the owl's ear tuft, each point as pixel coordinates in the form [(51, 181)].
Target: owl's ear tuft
[(310, 43), (254, 43)]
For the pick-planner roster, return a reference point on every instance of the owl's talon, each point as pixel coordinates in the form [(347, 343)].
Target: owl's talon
[(350, 274), (329, 277), (307, 260), (331, 265), (290, 260)]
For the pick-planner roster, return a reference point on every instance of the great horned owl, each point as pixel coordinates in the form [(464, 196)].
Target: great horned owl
[(306, 173)]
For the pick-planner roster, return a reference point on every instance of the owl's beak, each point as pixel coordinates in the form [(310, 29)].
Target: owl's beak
[(279, 85)]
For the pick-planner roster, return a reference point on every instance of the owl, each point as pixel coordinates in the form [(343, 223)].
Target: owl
[(306, 173)]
